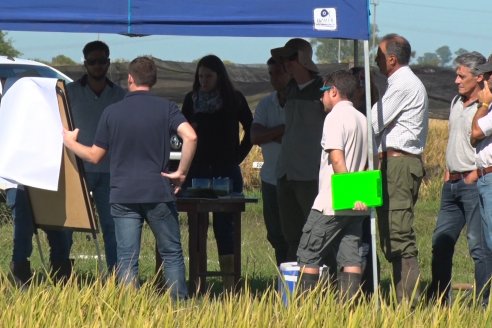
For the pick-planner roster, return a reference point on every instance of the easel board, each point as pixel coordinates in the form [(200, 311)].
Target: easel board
[(70, 207)]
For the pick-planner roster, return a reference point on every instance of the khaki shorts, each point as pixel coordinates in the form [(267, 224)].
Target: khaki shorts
[(323, 235)]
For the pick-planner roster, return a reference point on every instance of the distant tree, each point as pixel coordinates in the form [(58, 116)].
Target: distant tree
[(334, 50), (444, 54), (429, 59), (460, 51), (61, 60), (6, 46)]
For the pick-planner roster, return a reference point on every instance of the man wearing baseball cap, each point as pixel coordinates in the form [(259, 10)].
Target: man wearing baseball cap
[(298, 161), (481, 138)]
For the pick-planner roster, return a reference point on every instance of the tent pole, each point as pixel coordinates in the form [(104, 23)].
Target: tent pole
[(370, 155), (356, 53)]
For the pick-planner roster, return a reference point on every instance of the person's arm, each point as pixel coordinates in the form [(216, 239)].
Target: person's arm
[(472, 177), (261, 134), (188, 135), (337, 159), (245, 118), (92, 154), (446, 175), (484, 98)]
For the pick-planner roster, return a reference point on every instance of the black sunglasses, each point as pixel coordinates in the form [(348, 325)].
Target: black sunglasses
[(100, 61)]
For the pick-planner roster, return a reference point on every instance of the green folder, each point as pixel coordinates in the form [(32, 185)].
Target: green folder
[(364, 186)]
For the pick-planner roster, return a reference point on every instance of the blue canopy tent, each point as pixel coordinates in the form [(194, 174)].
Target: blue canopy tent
[(343, 19), (338, 19)]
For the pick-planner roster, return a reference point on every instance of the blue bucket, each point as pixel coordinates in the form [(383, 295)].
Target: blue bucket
[(287, 281)]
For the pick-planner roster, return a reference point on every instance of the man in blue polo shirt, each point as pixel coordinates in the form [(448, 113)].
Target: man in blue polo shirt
[(88, 97), (135, 132)]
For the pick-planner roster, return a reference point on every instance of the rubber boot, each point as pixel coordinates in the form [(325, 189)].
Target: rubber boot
[(348, 285), (61, 270), (396, 264), (226, 263), (307, 281), (20, 273), (410, 275), (405, 274)]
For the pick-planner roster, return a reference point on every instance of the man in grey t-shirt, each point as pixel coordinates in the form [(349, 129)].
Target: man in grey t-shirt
[(88, 97), (460, 198)]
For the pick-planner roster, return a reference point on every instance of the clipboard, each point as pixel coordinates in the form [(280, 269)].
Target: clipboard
[(364, 186)]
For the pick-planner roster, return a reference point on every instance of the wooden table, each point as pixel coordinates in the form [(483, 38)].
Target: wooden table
[(198, 210)]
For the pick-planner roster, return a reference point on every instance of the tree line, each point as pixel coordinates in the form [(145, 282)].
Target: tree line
[(326, 51)]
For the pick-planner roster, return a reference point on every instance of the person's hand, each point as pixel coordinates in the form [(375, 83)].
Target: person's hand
[(177, 179), (360, 206), (485, 96), (70, 136)]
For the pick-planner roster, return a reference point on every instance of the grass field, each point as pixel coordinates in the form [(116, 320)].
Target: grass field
[(88, 302)]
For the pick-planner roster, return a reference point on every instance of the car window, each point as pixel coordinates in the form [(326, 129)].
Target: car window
[(17, 70)]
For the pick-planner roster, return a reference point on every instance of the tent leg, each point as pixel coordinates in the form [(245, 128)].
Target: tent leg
[(98, 253), (374, 256)]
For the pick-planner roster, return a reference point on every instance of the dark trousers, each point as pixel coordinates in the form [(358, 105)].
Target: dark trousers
[(271, 217), (295, 199)]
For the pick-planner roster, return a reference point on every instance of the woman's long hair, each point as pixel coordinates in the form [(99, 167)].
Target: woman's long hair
[(224, 84)]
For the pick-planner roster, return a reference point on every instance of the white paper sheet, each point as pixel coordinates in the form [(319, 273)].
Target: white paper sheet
[(31, 140)]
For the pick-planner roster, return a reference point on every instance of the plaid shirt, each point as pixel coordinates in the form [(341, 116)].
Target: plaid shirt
[(400, 117)]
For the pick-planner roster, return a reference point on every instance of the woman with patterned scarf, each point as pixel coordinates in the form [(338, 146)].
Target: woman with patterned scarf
[(215, 110)]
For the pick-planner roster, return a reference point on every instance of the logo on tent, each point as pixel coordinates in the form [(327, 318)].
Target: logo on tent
[(325, 19)]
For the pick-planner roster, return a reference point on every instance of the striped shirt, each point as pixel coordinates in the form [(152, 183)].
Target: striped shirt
[(400, 118)]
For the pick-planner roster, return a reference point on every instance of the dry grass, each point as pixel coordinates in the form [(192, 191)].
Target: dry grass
[(434, 160)]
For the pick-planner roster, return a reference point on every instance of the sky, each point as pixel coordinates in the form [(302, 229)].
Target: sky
[(426, 24)]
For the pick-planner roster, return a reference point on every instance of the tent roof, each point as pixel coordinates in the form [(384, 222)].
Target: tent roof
[(303, 18)]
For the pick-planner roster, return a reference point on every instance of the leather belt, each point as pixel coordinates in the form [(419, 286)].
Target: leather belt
[(396, 153), (483, 171), (454, 176)]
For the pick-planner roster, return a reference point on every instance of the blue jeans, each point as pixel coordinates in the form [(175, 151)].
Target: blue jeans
[(59, 241), (163, 221), (98, 184), (484, 185), (459, 207)]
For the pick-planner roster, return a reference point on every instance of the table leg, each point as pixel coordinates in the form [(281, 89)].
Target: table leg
[(202, 251), (237, 248), (193, 251)]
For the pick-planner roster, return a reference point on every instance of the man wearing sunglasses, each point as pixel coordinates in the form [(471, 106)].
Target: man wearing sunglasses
[(88, 97)]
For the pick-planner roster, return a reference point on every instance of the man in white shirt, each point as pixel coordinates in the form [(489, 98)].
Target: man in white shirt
[(344, 149), (267, 131), (400, 124), (481, 138)]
